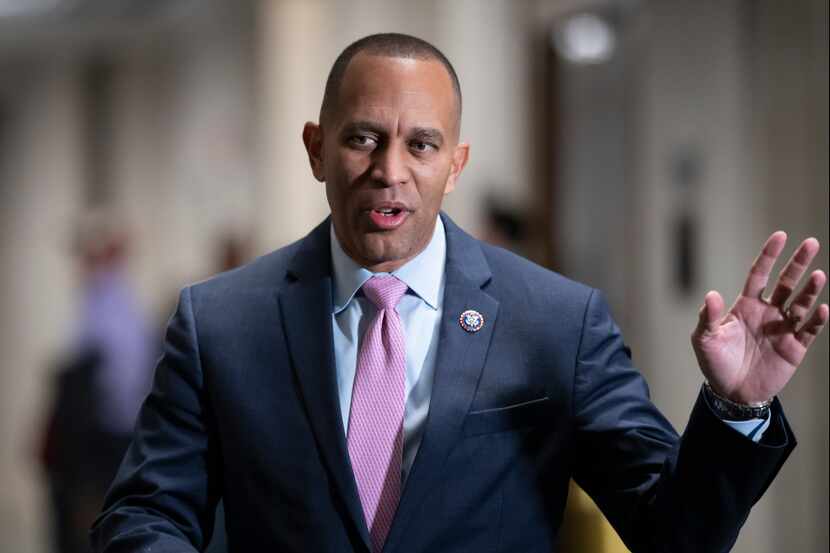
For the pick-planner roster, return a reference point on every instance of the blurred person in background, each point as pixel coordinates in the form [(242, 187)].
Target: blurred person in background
[(504, 227), (101, 379), (481, 384)]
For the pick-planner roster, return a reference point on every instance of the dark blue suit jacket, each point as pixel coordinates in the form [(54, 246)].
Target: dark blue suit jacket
[(244, 407)]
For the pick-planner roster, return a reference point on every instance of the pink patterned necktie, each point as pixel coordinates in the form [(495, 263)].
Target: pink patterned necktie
[(375, 435)]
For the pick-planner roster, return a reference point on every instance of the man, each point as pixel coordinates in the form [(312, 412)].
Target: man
[(390, 383), (103, 374)]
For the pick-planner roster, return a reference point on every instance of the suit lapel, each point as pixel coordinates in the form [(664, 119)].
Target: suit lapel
[(306, 304), (458, 366)]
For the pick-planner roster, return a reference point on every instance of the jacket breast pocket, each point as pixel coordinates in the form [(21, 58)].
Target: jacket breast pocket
[(518, 416)]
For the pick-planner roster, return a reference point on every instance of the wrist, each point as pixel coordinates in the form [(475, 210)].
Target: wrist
[(727, 409)]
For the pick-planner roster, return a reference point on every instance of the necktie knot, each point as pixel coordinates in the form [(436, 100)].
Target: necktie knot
[(384, 291)]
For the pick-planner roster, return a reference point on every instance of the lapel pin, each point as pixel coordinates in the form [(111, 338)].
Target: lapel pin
[(471, 320)]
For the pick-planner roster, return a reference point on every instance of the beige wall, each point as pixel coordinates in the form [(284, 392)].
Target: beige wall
[(790, 151), (745, 84), (743, 87), (208, 139), (694, 95)]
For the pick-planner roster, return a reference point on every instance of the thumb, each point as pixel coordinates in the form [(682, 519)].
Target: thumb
[(710, 313)]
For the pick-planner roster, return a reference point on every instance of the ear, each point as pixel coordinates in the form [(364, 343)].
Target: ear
[(459, 160), (313, 140)]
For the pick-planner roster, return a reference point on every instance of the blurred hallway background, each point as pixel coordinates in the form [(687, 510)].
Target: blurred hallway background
[(645, 147)]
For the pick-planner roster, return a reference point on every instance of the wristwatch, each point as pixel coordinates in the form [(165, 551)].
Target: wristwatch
[(733, 411)]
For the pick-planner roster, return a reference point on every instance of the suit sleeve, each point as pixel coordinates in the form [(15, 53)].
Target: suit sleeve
[(164, 495), (662, 492)]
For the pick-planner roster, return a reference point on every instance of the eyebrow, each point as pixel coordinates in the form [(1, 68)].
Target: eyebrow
[(358, 126), (418, 133)]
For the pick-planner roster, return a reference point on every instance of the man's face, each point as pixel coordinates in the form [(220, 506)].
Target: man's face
[(388, 154)]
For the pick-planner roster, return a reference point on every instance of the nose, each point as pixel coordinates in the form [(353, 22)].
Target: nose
[(389, 165)]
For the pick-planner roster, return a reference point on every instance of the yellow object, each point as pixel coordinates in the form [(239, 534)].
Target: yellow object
[(585, 529)]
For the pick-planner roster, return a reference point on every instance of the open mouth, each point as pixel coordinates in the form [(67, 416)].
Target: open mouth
[(388, 217), (388, 211)]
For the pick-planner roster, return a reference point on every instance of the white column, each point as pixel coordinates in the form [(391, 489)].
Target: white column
[(294, 59), (40, 194)]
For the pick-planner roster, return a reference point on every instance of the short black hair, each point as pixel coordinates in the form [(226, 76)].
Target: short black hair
[(391, 45)]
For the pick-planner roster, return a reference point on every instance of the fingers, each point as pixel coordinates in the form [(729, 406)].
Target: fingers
[(711, 313), (814, 326), (804, 300), (793, 271), (758, 276)]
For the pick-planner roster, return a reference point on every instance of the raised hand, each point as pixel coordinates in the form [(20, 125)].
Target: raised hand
[(750, 353)]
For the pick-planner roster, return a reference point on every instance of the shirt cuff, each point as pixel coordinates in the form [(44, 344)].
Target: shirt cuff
[(753, 428)]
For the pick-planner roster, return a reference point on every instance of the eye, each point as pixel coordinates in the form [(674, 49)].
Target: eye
[(362, 141), (422, 147)]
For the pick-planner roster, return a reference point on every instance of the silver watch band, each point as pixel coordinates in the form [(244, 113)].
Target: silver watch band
[(731, 410)]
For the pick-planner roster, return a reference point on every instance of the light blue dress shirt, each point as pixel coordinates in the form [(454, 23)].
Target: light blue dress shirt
[(420, 312)]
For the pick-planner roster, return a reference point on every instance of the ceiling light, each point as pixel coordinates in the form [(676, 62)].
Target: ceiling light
[(584, 38)]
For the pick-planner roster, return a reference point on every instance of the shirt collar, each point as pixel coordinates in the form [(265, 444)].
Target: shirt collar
[(424, 274)]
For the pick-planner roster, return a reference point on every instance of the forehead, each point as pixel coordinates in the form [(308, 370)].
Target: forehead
[(381, 87)]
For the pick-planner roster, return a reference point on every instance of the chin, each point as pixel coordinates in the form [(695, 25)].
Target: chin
[(379, 253)]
